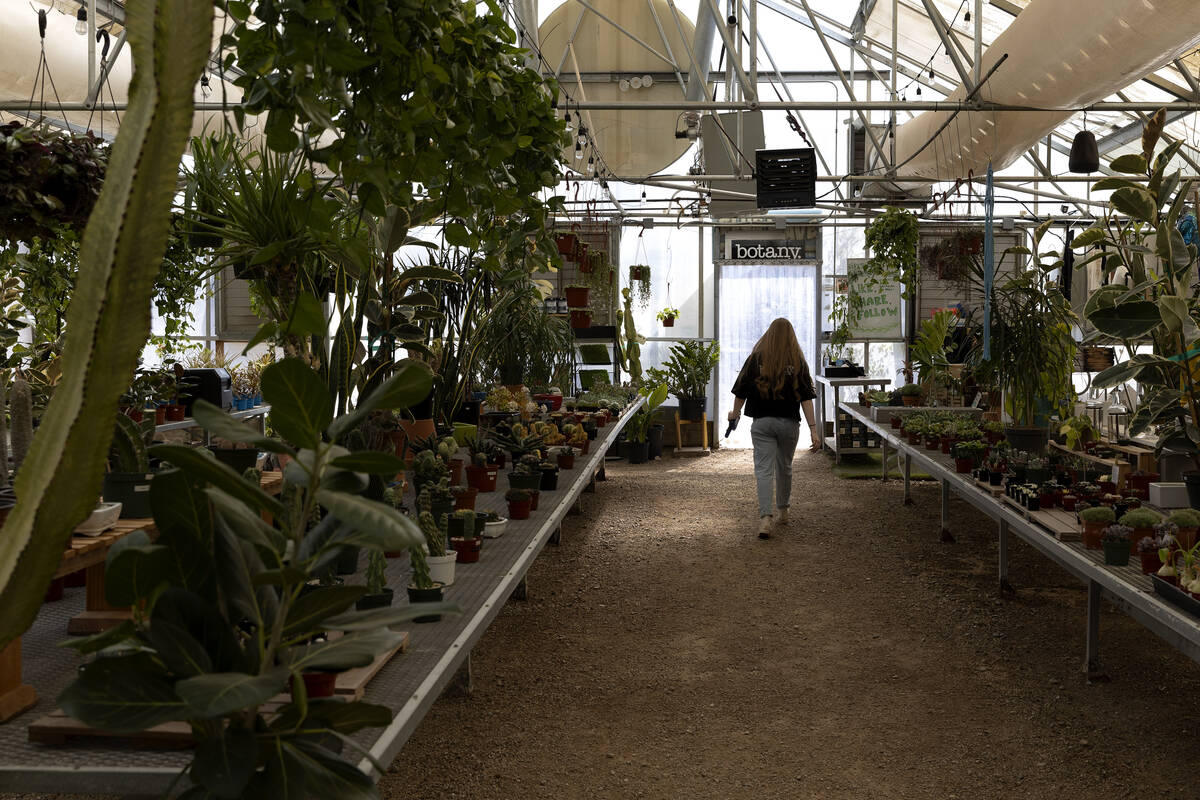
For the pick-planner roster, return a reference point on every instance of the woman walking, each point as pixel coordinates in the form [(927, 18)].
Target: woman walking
[(773, 385)]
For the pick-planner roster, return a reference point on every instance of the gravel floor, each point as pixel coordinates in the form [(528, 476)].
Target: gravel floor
[(667, 652)]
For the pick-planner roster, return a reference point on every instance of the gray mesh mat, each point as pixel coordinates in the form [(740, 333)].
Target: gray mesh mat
[(409, 683)]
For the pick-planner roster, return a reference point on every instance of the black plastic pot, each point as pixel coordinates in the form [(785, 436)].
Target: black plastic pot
[(131, 490), (430, 595), (440, 508), (460, 527), (239, 460), (656, 440), (1031, 440), (639, 452), (517, 480), (369, 601), (692, 408), (995, 478), (1191, 479), (549, 481), (347, 561)]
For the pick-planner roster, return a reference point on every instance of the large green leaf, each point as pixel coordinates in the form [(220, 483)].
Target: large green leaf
[(184, 523), (1088, 238), (1176, 316), (109, 316), (224, 763), (219, 423), (370, 461), (409, 384), (325, 774), (123, 694), (1137, 203), (202, 622), (179, 650), (1124, 371), (202, 467), (133, 570), (1128, 320), (300, 404), (220, 693), (348, 718), (386, 617), (377, 525), (245, 522), (1130, 164), (345, 652), (310, 609)]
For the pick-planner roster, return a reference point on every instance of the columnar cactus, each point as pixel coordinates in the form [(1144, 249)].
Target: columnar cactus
[(22, 420), (435, 534)]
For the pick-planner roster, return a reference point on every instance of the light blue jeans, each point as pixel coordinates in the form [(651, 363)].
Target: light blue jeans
[(774, 447)]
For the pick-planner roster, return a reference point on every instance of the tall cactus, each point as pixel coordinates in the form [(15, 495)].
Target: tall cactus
[(435, 535), (21, 405), (109, 317), (3, 438)]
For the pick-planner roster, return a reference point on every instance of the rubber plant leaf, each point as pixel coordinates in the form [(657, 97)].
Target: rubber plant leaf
[(109, 317)]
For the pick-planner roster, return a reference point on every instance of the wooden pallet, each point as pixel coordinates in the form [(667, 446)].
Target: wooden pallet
[(56, 728), (994, 491), (1061, 524)]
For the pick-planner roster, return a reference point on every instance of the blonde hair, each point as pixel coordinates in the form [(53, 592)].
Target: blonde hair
[(780, 357)]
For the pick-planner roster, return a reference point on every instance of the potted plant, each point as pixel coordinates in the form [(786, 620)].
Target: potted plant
[(910, 394), (577, 295), (687, 372), (667, 316), (128, 478), (378, 594), (494, 525), (965, 454), (464, 539), (423, 588), (1079, 430), (566, 457), (1115, 540), (637, 430), (481, 475), (464, 497), (525, 475), (581, 318), (639, 282), (519, 503), (1141, 522), (1095, 519), (549, 476), (440, 561), (1187, 522)]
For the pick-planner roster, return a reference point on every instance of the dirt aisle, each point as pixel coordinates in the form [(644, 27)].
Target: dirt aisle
[(666, 652)]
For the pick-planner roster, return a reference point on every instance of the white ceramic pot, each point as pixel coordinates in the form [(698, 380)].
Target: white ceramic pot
[(441, 568), (493, 530)]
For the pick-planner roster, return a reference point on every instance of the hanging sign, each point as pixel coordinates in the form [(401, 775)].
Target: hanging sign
[(881, 317), (801, 246)]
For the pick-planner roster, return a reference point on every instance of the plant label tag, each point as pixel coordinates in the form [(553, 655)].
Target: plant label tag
[(975, 402)]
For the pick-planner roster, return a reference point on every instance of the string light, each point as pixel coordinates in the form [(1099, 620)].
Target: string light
[(967, 17), (583, 135), (567, 119), (643, 200), (578, 151), (81, 25)]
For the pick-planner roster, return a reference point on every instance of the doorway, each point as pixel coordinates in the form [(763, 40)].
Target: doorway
[(749, 297)]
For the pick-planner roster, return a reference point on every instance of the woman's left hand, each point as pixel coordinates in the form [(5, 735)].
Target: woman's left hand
[(817, 444)]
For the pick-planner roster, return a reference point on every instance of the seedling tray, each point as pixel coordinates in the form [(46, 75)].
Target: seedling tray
[(1176, 596)]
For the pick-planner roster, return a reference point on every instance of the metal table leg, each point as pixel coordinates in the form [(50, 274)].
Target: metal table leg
[(947, 536), (884, 455), (908, 501), (1091, 664), (1005, 586)]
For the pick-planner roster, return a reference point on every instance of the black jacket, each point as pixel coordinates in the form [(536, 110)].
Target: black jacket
[(796, 389)]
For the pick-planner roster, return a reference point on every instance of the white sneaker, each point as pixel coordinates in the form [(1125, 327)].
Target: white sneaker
[(781, 518), (764, 527)]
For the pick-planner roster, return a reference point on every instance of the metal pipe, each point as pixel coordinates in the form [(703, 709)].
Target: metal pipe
[(91, 41), (625, 31), (701, 51), (731, 47), (667, 46), (978, 41)]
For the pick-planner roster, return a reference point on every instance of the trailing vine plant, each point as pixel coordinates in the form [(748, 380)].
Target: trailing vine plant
[(892, 240)]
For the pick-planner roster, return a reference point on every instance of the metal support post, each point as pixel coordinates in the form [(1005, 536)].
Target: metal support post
[(556, 536), (947, 536), (601, 475), (521, 592), (461, 682), (908, 501), (1091, 664), (1005, 586), (883, 450)]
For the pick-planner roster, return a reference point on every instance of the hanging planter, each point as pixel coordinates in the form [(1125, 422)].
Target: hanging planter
[(667, 317), (568, 244)]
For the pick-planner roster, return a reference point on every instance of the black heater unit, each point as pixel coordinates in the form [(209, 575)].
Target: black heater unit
[(786, 178)]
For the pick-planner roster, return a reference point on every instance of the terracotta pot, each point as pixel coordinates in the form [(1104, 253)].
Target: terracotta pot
[(1186, 537), (318, 684), (176, 412), (1137, 535), (933, 443), (414, 430), (534, 496), (577, 296), (1069, 501), (519, 509), (467, 549), (134, 414), (963, 465), (910, 400), (1091, 534), (894, 421), (456, 468), (581, 318), (482, 479), (668, 322), (1150, 562), (464, 497), (914, 439), (566, 461), (160, 415), (947, 443)]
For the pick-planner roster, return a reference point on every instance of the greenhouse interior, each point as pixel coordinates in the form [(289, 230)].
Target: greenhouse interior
[(391, 384)]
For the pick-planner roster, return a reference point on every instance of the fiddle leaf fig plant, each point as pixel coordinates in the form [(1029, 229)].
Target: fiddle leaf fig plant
[(228, 610)]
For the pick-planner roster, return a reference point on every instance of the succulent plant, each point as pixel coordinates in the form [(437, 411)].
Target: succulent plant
[(376, 580), (435, 535)]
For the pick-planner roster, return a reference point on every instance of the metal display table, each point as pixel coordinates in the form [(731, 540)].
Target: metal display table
[(840, 442), (409, 683), (1126, 586)]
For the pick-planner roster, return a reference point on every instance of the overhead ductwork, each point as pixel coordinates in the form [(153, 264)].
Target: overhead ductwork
[(1062, 55)]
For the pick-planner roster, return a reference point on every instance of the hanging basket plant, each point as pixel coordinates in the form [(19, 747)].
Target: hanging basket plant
[(639, 282), (48, 179)]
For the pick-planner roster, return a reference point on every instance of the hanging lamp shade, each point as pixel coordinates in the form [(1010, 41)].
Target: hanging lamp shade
[(1085, 155)]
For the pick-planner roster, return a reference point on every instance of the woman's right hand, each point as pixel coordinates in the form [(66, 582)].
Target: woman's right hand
[(733, 416)]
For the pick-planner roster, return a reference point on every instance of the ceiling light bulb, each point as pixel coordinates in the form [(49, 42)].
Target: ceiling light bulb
[(567, 119), (578, 151), (623, 85), (647, 81), (643, 200), (81, 25), (635, 83), (931, 75)]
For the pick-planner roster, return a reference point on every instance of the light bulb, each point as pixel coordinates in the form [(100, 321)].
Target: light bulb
[(635, 83), (582, 138), (623, 85), (918, 91), (567, 119), (578, 151), (647, 81), (967, 17), (81, 26), (643, 200)]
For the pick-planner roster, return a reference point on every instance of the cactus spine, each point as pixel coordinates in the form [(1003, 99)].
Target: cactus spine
[(435, 536), (22, 420)]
